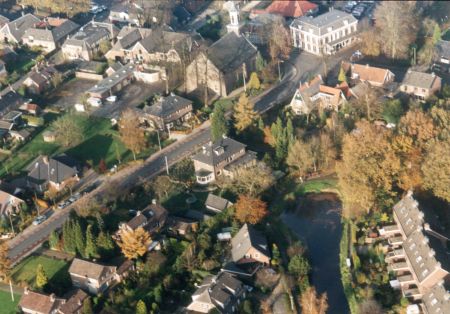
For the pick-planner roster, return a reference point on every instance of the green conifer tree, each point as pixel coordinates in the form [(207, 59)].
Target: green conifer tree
[(437, 35), (79, 239), (260, 63), (68, 237), (342, 77), (105, 244), (41, 277), (87, 306), (261, 124), (53, 240), (141, 308), (91, 246), (219, 123)]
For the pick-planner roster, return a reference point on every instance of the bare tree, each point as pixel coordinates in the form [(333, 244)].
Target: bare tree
[(312, 303), (396, 26), (68, 129), (131, 134)]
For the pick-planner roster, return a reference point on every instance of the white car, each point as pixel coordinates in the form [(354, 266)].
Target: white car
[(39, 220), (111, 98)]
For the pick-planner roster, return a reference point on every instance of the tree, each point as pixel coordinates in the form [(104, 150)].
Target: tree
[(244, 113), (5, 262), (280, 42), (436, 169), (370, 43), (312, 303), (437, 35), (368, 168), (163, 186), (300, 159), (141, 308), (132, 136), (102, 168), (260, 63), (370, 306), (246, 182), (254, 82), (134, 243), (41, 277), (396, 27), (183, 171), (368, 103), (104, 46), (219, 123), (87, 306), (91, 250), (342, 76), (53, 240), (250, 210), (79, 239), (57, 79), (68, 130), (417, 125), (299, 266), (393, 110), (68, 237), (105, 243)]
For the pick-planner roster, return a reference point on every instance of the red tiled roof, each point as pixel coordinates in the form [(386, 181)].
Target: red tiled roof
[(293, 8), (345, 89)]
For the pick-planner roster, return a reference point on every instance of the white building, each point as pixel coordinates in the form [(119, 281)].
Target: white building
[(324, 34)]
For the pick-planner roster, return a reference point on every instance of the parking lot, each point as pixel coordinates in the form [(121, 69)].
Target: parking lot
[(69, 94)]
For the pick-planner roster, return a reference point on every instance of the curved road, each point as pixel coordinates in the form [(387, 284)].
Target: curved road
[(299, 67)]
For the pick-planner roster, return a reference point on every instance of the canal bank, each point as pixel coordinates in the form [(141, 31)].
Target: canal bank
[(316, 220)]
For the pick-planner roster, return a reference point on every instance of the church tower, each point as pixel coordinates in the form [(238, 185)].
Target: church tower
[(233, 11)]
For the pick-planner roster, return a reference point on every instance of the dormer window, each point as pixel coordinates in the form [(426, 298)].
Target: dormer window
[(219, 150)]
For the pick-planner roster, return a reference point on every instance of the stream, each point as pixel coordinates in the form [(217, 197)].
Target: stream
[(316, 222)]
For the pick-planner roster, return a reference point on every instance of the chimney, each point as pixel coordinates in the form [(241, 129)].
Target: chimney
[(52, 297), (23, 13), (138, 213), (26, 291), (45, 159), (154, 201)]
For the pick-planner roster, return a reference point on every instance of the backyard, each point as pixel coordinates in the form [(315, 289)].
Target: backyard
[(25, 272), (7, 305)]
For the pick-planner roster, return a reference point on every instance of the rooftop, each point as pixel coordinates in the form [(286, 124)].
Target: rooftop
[(215, 153), (437, 300), (324, 23), (216, 202), (56, 169), (92, 33), (409, 215), (166, 106), (109, 82), (89, 269), (419, 79), (369, 73), (246, 238), (18, 27), (39, 303), (293, 8)]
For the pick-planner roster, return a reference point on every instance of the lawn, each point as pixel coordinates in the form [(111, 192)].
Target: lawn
[(8, 306), (55, 269), (446, 35)]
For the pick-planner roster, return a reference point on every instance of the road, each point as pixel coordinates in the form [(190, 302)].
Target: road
[(299, 67)]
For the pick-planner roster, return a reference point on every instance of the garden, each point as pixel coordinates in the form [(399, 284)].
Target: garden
[(9, 306)]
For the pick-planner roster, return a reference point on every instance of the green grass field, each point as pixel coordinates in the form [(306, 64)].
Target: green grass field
[(26, 270), (7, 305)]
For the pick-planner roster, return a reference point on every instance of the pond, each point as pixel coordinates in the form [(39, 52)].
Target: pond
[(316, 222)]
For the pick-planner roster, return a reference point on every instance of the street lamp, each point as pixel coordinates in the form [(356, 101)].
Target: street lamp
[(159, 140), (279, 71)]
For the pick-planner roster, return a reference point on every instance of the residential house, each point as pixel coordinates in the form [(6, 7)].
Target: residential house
[(325, 34), (40, 80), (222, 65), (166, 112), (221, 158), (143, 45), (314, 95), (222, 293), (49, 34), (288, 9), (31, 109), (442, 57), (20, 135), (11, 101), (92, 277), (55, 172), (437, 300), (13, 31), (85, 43), (249, 246), (216, 203), (9, 203), (377, 77), (126, 13), (152, 219), (420, 85), (38, 303), (418, 254), (182, 226)]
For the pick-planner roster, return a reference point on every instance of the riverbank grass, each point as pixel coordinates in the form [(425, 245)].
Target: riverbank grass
[(9, 306)]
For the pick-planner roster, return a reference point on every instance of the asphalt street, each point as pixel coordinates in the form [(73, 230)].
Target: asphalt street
[(299, 67)]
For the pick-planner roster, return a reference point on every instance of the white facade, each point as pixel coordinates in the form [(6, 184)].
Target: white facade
[(325, 34)]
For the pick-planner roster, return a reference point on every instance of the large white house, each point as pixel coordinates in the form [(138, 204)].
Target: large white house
[(324, 34)]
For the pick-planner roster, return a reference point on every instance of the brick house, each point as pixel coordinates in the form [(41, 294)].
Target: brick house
[(38, 303), (420, 85), (221, 66), (13, 31), (249, 246), (39, 80), (222, 157), (377, 77)]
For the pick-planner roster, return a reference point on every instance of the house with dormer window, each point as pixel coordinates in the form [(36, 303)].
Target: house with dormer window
[(223, 157), (249, 246)]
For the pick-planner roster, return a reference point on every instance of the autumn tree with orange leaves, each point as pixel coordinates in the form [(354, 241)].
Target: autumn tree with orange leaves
[(250, 210), (134, 243)]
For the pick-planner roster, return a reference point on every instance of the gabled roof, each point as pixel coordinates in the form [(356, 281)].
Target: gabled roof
[(443, 49), (18, 27), (165, 106), (292, 8), (215, 202), (39, 303), (65, 29), (247, 238), (153, 212), (162, 41), (40, 34), (370, 73), (437, 300), (74, 302), (3, 20), (90, 270), (420, 79), (11, 100), (230, 52), (7, 201), (91, 33), (56, 169), (408, 214), (214, 153)]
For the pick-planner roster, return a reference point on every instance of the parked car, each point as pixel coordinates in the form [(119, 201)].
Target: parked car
[(75, 197), (112, 98), (39, 219)]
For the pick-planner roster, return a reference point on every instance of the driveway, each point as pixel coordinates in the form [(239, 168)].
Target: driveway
[(130, 97), (70, 93)]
